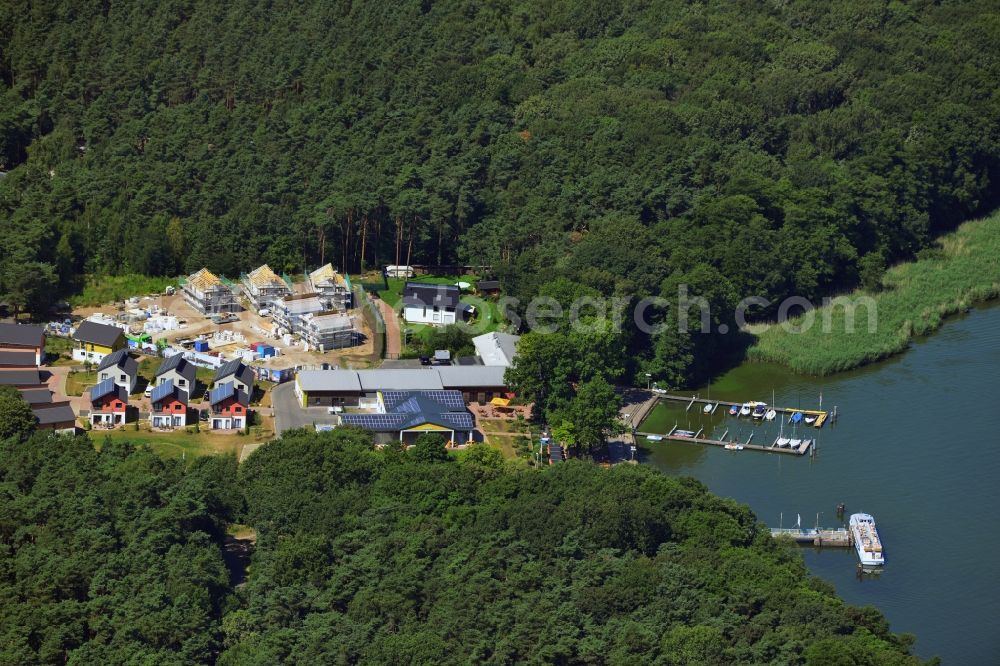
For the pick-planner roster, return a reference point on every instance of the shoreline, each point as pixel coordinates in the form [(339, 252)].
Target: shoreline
[(917, 298)]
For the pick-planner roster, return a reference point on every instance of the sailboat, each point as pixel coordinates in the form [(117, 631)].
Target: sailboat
[(707, 409), (771, 413)]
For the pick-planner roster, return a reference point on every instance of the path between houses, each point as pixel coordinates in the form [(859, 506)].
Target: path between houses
[(392, 333)]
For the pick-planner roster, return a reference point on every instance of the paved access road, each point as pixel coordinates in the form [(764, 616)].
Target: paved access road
[(289, 413)]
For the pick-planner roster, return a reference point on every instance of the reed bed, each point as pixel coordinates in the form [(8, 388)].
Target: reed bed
[(915, 299)]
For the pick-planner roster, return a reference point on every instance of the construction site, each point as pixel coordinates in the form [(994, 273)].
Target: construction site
[(291, 322)]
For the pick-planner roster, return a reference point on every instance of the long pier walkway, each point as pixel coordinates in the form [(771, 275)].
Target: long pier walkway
[(833, 538), (821, 416), (733, 445)]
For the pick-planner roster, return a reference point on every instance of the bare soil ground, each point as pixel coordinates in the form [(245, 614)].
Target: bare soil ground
[(253, 327)]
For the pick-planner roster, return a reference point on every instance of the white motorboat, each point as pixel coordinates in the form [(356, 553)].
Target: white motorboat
[(733, 446), (746, 409), (866, 540), (770, 415), (708, 408)]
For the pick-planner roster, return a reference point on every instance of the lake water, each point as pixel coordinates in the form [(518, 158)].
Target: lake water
[(917, 445)]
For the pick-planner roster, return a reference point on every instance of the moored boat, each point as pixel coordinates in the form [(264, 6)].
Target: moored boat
[(759, 410), (746, 409), (654, 438), (734, 410), (797, 417), (770, 415), (733, 446), (707, 409), (866, 540), (810, 419), (683, 433), (782, 442)]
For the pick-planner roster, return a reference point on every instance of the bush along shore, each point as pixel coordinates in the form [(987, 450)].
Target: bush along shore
[(914, 299)]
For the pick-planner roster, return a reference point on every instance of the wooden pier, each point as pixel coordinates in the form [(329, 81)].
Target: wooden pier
[(692, 400), (832, 538), (801, 450)]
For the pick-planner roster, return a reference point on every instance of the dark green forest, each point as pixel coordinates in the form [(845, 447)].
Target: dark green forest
[(740, 147), (395, 557)]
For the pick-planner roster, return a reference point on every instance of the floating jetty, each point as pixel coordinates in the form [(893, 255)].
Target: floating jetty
[(821, 416), (695, 438), (833, 538)]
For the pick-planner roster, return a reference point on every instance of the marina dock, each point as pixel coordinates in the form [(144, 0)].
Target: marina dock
[(800, 450), (821, 416), (832, 538)]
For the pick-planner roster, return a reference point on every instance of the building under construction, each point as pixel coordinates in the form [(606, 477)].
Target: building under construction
[(208, 294), (263, 287), (288, 311), (332, 287), (329, 330)]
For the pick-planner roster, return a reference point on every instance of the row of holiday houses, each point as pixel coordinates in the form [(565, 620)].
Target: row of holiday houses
[(171, 389)]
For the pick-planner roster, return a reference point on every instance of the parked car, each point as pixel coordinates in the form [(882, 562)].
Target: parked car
[(425, 360), (149, 390), (205, 397), (203, 415)]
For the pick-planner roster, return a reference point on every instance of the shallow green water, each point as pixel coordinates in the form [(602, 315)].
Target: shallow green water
[(917, 445)]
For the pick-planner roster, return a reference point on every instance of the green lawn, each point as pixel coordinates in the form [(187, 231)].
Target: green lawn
[(77, 382), (59, 350), (915, 299), (174, 444), (107, 289)]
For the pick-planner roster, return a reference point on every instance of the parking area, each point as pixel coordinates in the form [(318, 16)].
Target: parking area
[(289, 413)]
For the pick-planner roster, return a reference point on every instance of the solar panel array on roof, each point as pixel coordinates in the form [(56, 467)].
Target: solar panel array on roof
[(163, 391), (102, 389), (221, 393), (450, 399)]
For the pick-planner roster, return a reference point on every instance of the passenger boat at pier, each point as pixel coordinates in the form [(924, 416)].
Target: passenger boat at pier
[(866, 540)]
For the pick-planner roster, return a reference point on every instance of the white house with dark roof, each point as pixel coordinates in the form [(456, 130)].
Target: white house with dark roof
[(177, 370), (237, 372), (435, 304), (121, 368)]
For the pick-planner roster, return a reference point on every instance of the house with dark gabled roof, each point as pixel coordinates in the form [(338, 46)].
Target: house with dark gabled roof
[(177, 370), (23, 338), (109, 404), (238, 373), (120, 367), (169, 406), (18, 360), (94, 341), (230, 407), (21, 378), (58, 417), (435, 304)]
